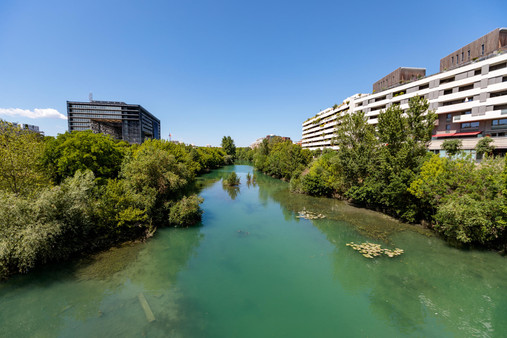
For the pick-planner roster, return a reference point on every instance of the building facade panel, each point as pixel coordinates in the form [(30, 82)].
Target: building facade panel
[(397, 77), (492, 42)]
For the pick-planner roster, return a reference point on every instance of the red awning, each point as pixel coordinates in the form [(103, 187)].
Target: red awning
[(471, 133)]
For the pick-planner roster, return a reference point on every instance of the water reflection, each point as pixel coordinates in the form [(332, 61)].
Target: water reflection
[(232, 191), (428, 284)]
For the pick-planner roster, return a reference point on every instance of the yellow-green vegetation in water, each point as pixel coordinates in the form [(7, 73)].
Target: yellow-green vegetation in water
[(371, 250), (309, 215)]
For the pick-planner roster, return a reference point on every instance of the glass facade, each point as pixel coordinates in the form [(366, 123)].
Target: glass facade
[(131, 123)]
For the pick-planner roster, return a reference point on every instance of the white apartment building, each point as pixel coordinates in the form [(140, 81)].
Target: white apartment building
[(470, 100)]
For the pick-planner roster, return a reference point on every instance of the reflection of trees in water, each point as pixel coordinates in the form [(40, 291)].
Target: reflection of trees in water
[(232, 191), (251, 180), (434, 281)]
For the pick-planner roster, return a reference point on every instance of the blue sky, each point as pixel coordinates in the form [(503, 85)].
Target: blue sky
[(214, 68)]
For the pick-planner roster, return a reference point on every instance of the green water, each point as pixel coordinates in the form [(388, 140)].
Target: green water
[(255, 270)]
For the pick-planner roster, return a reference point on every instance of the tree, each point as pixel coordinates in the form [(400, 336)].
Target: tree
[(186, 212), (83, 150), (452, 147), (228, 146), (357, 142), (484, 146), (153, 170), (403, 138), (20, 154), (286, 159)]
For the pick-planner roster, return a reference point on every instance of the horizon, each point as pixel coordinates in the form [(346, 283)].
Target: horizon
[(213, 69)]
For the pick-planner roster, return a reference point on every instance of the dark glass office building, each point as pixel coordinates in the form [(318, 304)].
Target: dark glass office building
[(128, 122)]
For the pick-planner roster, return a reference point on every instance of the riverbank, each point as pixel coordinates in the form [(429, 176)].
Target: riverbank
[(460, 200), (94, 193)]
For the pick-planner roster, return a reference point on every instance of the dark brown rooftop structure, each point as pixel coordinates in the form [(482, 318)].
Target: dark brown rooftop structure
[(399, 76), (493, 42)]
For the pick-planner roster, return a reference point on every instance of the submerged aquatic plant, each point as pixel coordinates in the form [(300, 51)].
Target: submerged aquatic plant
[(371, 250)]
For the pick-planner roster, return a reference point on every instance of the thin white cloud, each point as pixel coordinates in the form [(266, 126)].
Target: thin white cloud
[(37, 113)]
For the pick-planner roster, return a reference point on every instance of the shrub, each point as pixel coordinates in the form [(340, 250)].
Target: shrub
[(231, 180), (315, 185), (55, 226), (470, 221), (186, 212)]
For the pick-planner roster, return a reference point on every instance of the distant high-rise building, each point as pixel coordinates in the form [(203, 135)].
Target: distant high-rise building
[(128, 122)]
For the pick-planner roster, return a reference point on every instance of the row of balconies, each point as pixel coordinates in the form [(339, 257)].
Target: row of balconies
[(409, 91), (472, 96), (329, 127), (328, 116)]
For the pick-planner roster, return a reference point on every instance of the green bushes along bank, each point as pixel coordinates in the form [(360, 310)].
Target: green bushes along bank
[(390, 170), (81, 192)]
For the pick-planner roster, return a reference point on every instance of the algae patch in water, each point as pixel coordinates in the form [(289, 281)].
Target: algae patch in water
[(371, 250), (309, 215), (106, 263)]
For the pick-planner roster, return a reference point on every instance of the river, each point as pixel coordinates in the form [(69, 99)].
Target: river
[(253, 269)]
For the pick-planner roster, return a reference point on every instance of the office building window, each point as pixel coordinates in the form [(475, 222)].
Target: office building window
[(469, 54), (448, 117), (462, 56), (447, 127), (452, 60), (482, 49)]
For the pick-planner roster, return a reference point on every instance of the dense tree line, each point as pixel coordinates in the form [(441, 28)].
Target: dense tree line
[(81, 192), (389, 169)]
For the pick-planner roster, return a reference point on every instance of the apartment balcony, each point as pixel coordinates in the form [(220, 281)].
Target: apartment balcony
[(497, 87), (458, 106), (489, 115), (498, 72), (499, 100), (375, 112), (460, 95)]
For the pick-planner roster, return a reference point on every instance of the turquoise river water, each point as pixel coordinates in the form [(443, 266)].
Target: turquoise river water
[(253, 269)]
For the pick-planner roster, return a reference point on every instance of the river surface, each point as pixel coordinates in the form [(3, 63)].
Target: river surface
[(253, 269)]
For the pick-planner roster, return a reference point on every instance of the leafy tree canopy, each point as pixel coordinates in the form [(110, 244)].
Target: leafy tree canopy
[(20, 153), (83, 150), (452, 147), (228, 146)]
